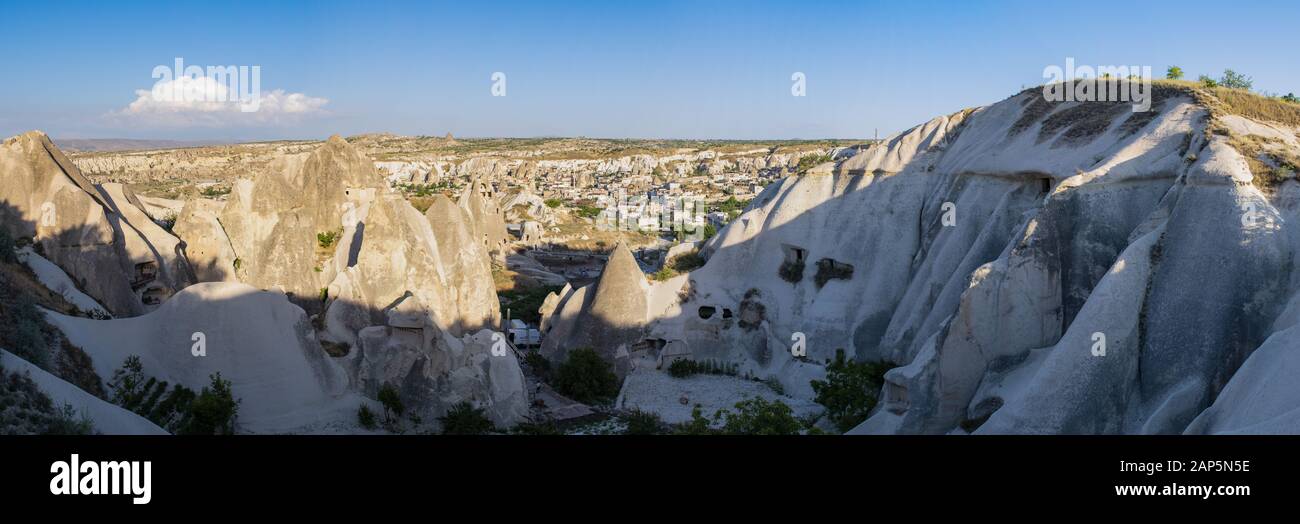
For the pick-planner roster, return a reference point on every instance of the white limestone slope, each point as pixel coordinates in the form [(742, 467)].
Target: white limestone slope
[(256, 339), (54, 279)]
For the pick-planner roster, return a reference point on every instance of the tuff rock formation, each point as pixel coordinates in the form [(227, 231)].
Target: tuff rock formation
[(1028, 267), (100, 236), (319, 246), (608, 316)]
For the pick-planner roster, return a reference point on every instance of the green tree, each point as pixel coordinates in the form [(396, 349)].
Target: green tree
[(755, 416), (1234, 80), (850, 390), (1174, 73), (464, 419), (698, 425), (586, 378), (214, 410)]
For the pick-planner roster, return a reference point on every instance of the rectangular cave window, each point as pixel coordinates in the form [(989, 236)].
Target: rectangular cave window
[(791, 269), (794, 254), (1045, 185)]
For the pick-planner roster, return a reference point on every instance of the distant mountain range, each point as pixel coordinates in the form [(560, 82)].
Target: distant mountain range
[(129, 144)]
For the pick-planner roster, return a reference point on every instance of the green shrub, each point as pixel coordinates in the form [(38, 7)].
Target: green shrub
[(811, 161), (327, 239), (214, 411), (67, 421), (7, 247), (850, 390), (524, 303), (698, 425), (1290, 97), (365, 417), (755, 416), (791, 272), (26, 410), (686, 262), (464, 419), (392, 401), (1207, 81), (683, 368), (23, 329), (214, 191), (643, 423), (177, 409), (586, 378), (554, 203), (1174, 73)]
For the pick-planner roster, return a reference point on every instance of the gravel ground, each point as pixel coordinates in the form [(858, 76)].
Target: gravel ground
[(657, 392)]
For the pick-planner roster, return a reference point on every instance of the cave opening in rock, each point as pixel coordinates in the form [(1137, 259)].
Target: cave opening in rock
[(145, 272), (829, 269), (706, 312)]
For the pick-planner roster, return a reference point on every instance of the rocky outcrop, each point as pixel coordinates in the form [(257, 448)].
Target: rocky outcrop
[(206, 245), (100, 236), (399, 291), (485, 217), (608, 316), (1028, 267), (276, 222)]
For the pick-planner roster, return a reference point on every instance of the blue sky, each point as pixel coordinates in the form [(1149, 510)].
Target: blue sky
[(691, 69)]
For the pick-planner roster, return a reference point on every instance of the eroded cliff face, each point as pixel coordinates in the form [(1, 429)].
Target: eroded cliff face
[(99, 235), (402, 292), (608, 316), (987, 253), (318, 249)]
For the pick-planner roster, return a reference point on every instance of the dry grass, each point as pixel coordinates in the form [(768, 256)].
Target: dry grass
[(1238, 102), (1256, 107), (1269, 162), (25, 282)]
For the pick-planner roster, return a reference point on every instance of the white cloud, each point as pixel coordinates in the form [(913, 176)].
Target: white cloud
[(203, 101)]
